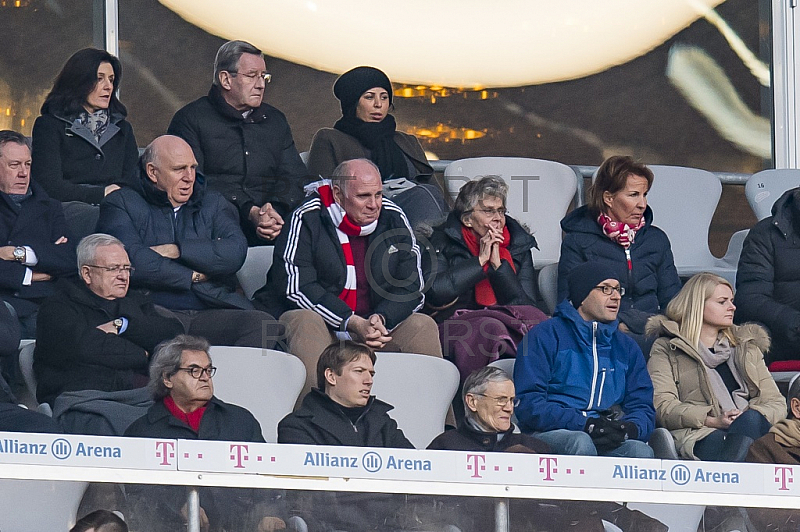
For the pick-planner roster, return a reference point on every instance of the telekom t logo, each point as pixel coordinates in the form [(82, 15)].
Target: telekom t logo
[(239, 454), (548, 465), (476, 464), (166, 451), (784, 477)]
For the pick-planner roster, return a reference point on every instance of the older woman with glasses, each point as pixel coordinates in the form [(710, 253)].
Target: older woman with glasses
[(712, 389), (481, 277), (616, 228), (186, 408)]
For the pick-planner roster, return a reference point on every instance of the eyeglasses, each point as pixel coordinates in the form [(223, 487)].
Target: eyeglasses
[(196, 371), (500, 401), (266, 76), (127, 268), (608, 290), (492, 212)]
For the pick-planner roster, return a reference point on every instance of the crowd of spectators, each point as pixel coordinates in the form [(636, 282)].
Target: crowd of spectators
[(366, 258)]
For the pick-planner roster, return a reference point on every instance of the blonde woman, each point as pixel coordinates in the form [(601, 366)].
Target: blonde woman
[(712, 389)]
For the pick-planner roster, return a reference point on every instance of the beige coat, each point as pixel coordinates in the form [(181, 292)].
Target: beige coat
[(682, 393)]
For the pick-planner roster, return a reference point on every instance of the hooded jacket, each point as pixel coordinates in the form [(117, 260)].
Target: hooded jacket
[(71, 165), (650, 282), (569, 369), (250, 161), (683, 396), (321, 421), (206, 231), (768, 279), (457, 271)]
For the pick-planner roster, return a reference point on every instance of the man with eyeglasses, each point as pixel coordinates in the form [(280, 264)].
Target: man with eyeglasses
[(185, 408), (36, 250), (583, 385), (93, 335), (244, 146)]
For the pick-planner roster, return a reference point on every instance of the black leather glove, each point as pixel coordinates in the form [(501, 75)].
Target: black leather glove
[(630, 429), (606, 434)]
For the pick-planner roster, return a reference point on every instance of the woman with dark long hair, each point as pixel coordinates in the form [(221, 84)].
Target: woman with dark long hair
[(83, 148)]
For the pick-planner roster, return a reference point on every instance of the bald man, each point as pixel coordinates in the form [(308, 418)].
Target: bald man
[(186, 245)]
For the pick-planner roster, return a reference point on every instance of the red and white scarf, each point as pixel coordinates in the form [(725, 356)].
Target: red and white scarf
[(344, 227), (620, 232)]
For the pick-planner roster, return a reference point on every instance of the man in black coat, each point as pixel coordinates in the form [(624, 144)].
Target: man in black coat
[(243, 145), (181, 381), (768, 277), (186, 245), (93, 334), (36, 249)]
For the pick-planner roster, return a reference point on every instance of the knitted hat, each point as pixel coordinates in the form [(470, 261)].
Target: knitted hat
[(582, 279), (353, 83)]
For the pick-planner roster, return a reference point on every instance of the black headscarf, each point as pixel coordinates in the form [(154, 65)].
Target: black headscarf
[(377, 137)]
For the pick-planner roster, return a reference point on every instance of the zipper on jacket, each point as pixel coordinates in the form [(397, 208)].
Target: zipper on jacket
[(594, 371), (630, 270), (602, 385)]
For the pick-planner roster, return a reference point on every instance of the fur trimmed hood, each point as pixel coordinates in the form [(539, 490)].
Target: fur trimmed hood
[(660, 325)]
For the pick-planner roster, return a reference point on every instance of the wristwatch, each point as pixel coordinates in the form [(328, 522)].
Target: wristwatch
[(196, 277), (118, 324), (20, 253)]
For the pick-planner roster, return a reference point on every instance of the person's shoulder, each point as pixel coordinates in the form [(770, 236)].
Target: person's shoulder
[(232, 410), (203, 103)]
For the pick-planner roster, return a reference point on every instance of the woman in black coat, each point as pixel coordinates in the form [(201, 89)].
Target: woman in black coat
[(83, 148), (615, 228), (481, 284)]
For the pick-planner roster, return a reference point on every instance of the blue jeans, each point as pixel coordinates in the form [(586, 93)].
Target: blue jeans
[(563, 441)]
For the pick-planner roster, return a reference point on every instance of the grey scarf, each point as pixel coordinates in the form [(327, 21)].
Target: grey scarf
[(96, 122), (723, 353)]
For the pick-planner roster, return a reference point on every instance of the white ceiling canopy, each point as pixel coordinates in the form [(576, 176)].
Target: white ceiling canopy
[(453, 43)]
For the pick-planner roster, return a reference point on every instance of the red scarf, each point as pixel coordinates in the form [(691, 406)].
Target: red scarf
[(620, 232), (484, 295), (344, 227), (192, 418)]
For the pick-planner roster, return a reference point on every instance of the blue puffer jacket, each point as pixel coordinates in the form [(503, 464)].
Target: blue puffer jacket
[(569, 370), (650, 283)]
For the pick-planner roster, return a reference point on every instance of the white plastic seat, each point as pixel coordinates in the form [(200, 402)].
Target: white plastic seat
[(421, 389), (539, 194), (27, 347), (506, 364), (253, 273), (548, 286), (684, 201), (264, 381), (766, 186), (39, 504)]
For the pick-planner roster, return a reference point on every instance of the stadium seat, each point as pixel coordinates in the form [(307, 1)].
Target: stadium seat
[(539, 194), (30, 505), (421, 389), (765, 187), (683, 202), (264, 381), (547, 281), (253, 273), (304, 157), (27, 348)]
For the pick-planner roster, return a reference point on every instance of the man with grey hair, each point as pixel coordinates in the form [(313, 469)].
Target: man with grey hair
[(348, 267), (244, 146), (93, 334), (36, 249), (185, 408), (488, 395)]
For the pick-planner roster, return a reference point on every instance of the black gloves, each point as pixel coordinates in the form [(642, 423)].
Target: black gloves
[(608, 434)]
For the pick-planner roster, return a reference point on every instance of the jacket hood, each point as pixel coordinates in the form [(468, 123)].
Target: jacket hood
[(659, 325), (583, 328), (782, 212), (580, 221), (521, 239)]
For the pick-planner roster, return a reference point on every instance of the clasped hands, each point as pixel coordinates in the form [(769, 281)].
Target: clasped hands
[(372, 330), (267, 221)]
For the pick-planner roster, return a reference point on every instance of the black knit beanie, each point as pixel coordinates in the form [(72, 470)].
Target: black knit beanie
[(353, 83), (582, 279)]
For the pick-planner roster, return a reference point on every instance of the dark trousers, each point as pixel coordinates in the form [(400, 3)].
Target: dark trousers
[(731, 445), (14, 418), (244, 328)]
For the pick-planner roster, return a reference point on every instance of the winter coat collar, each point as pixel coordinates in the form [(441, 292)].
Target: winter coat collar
[(75, 129), (581, 221), (225, 109), (152, 195), (319, 401), (660, 325), (782, 213), (584, 330)]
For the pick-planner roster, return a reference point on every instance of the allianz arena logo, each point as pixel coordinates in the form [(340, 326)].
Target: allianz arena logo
[(680, 474), (372, 462), (61, 449)]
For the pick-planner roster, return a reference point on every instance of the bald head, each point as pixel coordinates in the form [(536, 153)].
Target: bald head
[(170, 164), (358, 189)]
